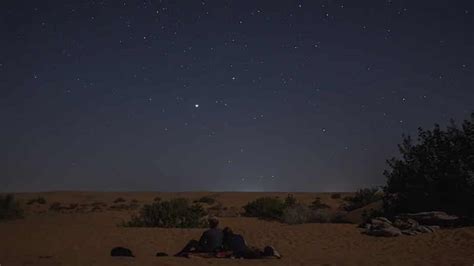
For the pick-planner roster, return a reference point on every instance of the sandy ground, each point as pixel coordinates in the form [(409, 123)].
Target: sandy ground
[(51, 238)]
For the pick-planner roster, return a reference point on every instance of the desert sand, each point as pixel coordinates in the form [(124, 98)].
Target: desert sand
[(46, 237)]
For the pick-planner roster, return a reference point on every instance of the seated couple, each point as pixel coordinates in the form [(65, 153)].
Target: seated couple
[(225, 244)]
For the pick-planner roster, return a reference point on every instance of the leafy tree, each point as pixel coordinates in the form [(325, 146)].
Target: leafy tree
[(436, 173)]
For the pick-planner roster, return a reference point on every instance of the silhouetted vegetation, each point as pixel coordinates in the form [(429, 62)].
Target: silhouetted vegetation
[(58, 207), (318, 204), (9, 208), (290, 200), (124, 207), (288, 211), (265, 208), (367, 215), (173, 213), (299, 214), (436, 173), (39, 200), (206, 200), (339, 218), (55, 206), (336, 196), (362, 197), (119, 200)]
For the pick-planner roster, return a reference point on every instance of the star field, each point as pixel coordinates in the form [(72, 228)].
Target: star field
[(224, 95)]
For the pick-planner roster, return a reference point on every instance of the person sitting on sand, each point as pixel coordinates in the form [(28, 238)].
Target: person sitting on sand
[(234, 245), (210, 241)]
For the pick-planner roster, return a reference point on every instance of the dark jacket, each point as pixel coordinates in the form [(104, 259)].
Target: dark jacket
[(235, 243), (211, 240)]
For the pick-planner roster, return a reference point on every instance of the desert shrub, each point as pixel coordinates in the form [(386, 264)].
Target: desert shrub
[(296, 214), (9, 208), (336, 196), (339, 218), (55, 206), (367, 215), (216, 209), (206, 200), (436, 173), (119, 200), (99, 204), (290, 200), (288, 211), (173, 213), (318, 204), (120, 207), (39, 200), (320, 216), (299, 214), (363, 197), (265, 207), (157, 199)]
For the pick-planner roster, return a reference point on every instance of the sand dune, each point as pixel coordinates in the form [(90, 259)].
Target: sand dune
[(51, 238)]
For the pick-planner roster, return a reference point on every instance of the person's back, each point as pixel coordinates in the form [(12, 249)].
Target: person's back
[(236, 243), (211, 240)]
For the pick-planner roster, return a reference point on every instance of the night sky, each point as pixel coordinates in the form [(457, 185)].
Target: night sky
[(224, 95)]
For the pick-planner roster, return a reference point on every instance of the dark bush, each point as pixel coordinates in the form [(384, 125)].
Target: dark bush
[(363, 197), (288, 211), (336, 196), (206, 200), (39, 200), (290, 200), (9, 208), (367, 215), (318, 204), (55, 206), (296, 214), (173, 213), (299, 214), (436, 173), (98, 204), (339, 218), (320, 216), (58, 207), (123, 207), (265, 207), (119, 200), (157, 199)]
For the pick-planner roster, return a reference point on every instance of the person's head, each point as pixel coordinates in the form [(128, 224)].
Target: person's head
[(213, 222), (227, 233)]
